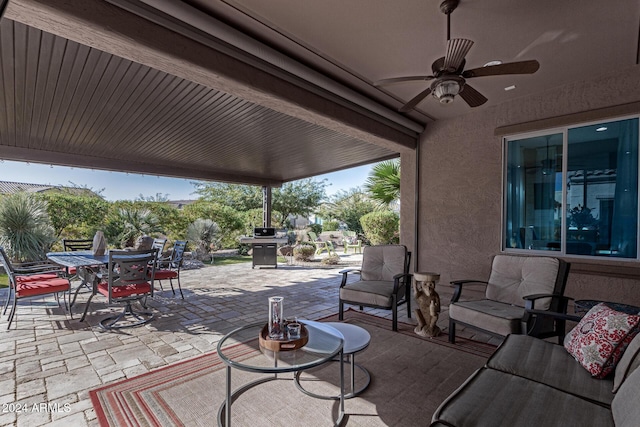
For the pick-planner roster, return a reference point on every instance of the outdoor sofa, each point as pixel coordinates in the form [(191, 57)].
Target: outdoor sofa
[(532, 382)]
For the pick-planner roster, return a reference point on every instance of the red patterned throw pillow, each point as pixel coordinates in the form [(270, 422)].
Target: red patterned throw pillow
[(600, 338)]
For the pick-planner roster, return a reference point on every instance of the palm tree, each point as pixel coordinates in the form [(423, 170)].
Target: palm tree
[(137, 223), (25, 229), (384, 182)]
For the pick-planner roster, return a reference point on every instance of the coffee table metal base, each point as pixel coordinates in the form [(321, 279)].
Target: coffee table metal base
[(224, 415), (350, 395)]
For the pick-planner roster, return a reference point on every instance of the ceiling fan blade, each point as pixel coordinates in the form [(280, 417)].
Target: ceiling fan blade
[(415, 101), (522, 67), (384, 82), (472, 96), (457, 49)]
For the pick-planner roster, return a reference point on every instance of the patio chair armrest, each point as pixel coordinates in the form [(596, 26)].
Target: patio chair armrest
[(458, 284), (345, 274), (555, 315), (396, 280), (529, 301)]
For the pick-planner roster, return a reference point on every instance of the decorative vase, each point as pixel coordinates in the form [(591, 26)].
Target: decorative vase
[(276, 312)]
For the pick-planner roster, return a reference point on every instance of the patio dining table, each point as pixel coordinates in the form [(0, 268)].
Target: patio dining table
[(86, 263)]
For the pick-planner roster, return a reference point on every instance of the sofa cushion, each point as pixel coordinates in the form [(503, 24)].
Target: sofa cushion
[(492, 398), (629, 362), (600, 338), (625, 408), (493, 316), (550, 364), (514, 277)]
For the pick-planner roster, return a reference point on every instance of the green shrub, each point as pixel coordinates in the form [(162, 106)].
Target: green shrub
[(381, 227), (330, 260), (316, 228), (332, 225), (303, 253)]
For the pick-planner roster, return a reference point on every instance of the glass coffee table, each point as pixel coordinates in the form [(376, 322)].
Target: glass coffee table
[(325, 343)]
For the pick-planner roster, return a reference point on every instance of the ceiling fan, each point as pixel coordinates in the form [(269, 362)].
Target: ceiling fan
[(450, 78)]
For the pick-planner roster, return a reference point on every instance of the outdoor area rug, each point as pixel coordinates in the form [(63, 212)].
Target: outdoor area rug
[(410, 377)]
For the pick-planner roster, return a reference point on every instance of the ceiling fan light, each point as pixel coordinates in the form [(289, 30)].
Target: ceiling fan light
[(446, 90)]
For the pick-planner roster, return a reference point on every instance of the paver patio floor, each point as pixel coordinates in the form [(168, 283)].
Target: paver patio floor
[(49, 359)]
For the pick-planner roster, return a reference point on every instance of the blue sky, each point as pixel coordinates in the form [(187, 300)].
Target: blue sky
[(122, 186)]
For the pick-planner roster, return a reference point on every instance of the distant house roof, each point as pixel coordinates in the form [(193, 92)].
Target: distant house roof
[(180, 203), (9, 187)]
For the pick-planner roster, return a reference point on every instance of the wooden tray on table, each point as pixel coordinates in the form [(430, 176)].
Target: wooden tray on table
[(284, 344)]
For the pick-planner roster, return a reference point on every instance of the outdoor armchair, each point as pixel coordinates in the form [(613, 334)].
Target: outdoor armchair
[(384, 281), (351, 241), (517, 287), (321, 245), (168, 268), (32, 280), (128, 279)]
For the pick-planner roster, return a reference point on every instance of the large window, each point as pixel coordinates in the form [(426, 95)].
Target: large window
[(574, 190)]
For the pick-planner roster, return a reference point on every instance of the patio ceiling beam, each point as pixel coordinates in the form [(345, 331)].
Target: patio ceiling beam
[(119, 165), (105, 27)]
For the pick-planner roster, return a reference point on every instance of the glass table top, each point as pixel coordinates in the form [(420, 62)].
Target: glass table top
[(325, 342)]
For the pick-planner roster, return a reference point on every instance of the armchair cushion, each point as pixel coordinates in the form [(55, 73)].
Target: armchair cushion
[(493, 316), (371, 292), (513, 278), (600, 338), (383, 262)]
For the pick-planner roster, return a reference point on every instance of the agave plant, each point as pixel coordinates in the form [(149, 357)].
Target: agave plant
[(205, 235), (25, 230)]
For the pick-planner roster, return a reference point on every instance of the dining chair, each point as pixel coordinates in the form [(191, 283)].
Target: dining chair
[(129, 279), (159, 244), (74, 245), (168, 268), (33, 280)]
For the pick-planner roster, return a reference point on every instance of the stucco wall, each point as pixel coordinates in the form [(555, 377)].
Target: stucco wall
[(461, 181)]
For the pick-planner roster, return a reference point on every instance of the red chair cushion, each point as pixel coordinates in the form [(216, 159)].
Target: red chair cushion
[(165, 274), (36, 277), (125, 290), (28, 289), (73, 270)]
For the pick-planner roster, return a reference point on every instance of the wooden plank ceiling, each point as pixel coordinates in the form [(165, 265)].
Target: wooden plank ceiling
[(68, 104)]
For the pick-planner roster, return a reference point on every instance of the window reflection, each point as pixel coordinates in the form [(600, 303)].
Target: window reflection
[(601, 212), (602, 189), (534, 193)]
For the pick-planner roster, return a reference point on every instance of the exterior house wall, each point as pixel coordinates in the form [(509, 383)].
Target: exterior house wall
[(460, 187)]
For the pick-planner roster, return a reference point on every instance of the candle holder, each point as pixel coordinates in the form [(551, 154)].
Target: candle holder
[(276, 319)]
